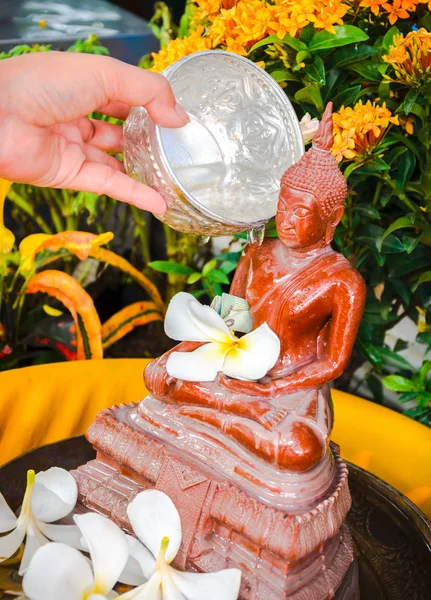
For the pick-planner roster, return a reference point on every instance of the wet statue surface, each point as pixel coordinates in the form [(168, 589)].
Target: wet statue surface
[(248, 463), (312, 299)]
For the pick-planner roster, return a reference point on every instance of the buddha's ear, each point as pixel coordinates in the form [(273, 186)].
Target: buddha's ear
[(336, 216)]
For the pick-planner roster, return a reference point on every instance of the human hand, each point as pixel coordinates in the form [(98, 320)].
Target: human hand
[(47, 140)]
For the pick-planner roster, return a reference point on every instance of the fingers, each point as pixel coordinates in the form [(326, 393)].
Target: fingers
[(104, 179), (99, 156), (105, 136), (118, 110), (137, 87)]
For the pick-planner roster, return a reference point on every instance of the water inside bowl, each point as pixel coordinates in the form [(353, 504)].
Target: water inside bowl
[(204, 160)]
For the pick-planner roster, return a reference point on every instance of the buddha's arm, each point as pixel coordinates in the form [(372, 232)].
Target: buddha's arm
[(348, 305)]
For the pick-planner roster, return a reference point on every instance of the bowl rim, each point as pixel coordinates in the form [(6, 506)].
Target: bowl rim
[(168, 72)]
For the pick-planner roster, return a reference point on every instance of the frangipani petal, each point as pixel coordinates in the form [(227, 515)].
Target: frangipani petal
[(108, 549), (58, 572), (10, 543), (188, 320), (65, 534), (202, 364), (140, 565), (8, 519), (223, 585), (34, 540), (153, 516), (149, 591), (54, 495), (170, 590), (256, 353)]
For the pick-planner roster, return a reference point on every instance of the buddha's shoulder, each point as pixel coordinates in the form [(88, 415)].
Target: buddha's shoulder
[(344, 272)]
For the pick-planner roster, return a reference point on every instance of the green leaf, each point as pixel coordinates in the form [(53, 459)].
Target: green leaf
[(368, 71), (307, 33), (409, 100), (352, 54), (166, 266), (400, 223), (228, 266), (316, 70), (334, 78), (310, 94), (376, 387), (274, 39), (388, 38), (367, 211), (402, 290), (344, 34), (193, 278), (370, 352), (410, 243), (346, 97), (396, 361), (425, 136), (423, 373), (406, 167), (284, 75), (209, 266), (424, 278), (396, 383), (217, 276)]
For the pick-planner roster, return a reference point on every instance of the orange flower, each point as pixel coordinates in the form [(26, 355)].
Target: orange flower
[(179, 48), (373, 5), (358, 130), (410, 57), (396, 11)]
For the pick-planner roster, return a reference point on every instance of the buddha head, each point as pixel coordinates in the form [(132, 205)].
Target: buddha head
[(311, 201)]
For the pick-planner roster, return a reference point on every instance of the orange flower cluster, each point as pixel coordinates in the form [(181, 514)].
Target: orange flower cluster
[(410, 57), (358, 130), (292, 16), (397, 9), (236, 25), (179, 48)]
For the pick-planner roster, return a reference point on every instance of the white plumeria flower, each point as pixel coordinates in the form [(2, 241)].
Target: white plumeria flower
[(309, 127), (249, 357), (50, 496), (156, 522), (59, 572)]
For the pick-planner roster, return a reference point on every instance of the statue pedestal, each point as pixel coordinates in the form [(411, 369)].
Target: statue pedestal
[(300, 555)]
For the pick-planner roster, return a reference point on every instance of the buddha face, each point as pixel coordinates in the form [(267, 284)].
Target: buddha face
[(298, 220)]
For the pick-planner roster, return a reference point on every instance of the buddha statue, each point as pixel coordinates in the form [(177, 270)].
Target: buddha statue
[(312, 298)]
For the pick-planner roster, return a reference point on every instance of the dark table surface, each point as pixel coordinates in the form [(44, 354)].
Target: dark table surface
[(127, 36), (392, 537)]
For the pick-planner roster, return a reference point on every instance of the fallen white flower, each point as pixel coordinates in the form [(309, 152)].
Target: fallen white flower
[(156, 522), (50, 496), (59, 572), (309, 127), (249, 357)]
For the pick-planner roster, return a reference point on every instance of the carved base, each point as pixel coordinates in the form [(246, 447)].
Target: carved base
[(300, 557)]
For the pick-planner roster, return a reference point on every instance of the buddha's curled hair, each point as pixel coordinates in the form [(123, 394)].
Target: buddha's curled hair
[(317, 170)]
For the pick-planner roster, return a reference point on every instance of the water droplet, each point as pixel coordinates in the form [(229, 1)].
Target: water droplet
[(256, 235)]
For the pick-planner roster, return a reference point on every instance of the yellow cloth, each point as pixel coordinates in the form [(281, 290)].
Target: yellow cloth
[(40, 405)]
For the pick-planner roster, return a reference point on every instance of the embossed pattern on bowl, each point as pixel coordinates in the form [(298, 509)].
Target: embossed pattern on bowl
[(221, 173)]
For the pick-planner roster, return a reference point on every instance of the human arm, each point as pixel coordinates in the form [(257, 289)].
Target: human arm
[(48, 141)]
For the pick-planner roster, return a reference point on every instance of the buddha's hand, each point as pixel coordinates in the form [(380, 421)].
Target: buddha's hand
[(157, 379), (248, 388)]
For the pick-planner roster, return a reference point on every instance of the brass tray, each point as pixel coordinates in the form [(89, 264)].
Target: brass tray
[(392, 536)]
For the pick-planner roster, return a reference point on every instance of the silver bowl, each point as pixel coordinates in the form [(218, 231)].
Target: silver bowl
[(221, 173)]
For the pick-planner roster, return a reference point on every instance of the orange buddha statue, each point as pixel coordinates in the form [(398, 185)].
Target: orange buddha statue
[(312, 298)]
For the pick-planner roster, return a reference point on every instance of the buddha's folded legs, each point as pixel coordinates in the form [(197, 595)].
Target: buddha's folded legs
[(296, 444), (214, 396)]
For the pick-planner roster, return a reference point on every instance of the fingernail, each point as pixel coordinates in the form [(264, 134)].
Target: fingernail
[(182, 113)]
